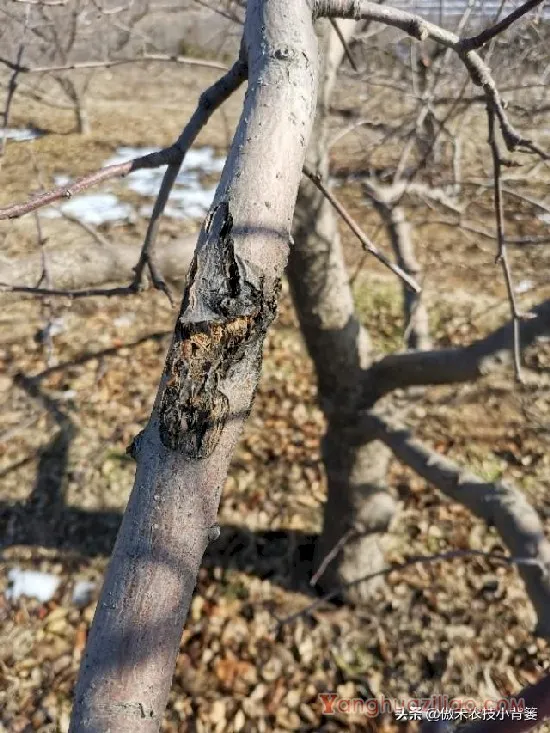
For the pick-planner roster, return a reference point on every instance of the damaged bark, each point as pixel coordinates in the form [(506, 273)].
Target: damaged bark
[(209, 382), (194, 408)]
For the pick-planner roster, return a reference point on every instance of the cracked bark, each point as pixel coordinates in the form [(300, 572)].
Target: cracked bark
[(358, 506), (207, 388)]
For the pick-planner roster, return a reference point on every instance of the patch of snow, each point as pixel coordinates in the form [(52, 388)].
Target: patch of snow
[(197, 159), (65, 394), (32, 583), (62, 180), (194, 202), (51, 329), (189, 198), (19, 135), (524, 285), (169, 211), (55, 326), (83, 592), (545, 218), (124, 321), (95, 209)]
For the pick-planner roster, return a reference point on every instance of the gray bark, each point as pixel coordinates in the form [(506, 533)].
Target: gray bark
[(82, 118), (452, 365), (358, 507), (208, 385), (87, 264), (78, 100)]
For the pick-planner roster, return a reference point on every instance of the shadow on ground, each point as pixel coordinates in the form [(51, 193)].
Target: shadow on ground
[(45, 520)]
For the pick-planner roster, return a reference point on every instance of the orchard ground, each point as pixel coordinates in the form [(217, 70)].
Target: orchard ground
[(461, 628)]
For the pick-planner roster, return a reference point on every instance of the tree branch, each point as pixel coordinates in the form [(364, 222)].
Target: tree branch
[(498, 504), (468, 44), (361, 236), (502, 254), (421, 29), (454, 365), (207, 387), (405, 565), (173, 155), (344, 43), (110, 63), (536, 697), (209, 101), (86, 265)]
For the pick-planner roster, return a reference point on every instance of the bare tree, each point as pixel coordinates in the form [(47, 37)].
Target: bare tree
[(62, 46), (214, 362)]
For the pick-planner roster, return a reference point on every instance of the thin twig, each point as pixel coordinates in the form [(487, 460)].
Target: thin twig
[(365, 241), (44, 3), (502, 254), (46, 305), (329, 557), (421, 29), (88, 228), (172, 156), (152, 160), (99, 355), (54, 292), (12, 85), (344, 43), (209, 101), (396, 567), (110, 63), (469, 44)]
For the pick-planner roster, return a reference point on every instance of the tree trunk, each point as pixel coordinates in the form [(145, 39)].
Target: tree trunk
[(417, 329), (78, 101), (207, 388), (82, 118), (358, 506)]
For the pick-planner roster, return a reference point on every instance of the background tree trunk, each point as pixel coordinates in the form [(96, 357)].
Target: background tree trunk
[(358, 506), (85, 264), (417, 328)]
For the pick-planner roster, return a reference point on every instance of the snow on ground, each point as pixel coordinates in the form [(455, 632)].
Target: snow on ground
[(19, 134), (32, 583), (190, 198)]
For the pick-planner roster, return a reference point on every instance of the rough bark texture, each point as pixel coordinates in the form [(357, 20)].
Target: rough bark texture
[(209, 382), (358, 506)]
